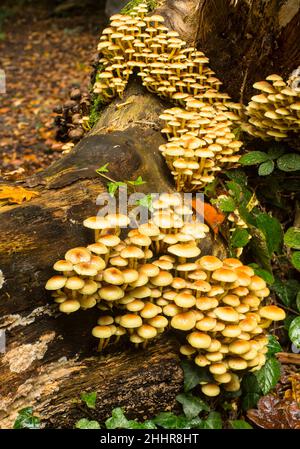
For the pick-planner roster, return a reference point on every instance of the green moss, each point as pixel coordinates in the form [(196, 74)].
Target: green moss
[(96, 105), (130, 5)]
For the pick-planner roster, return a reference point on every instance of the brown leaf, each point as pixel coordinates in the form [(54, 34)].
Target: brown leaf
[(275, 413), (15, 195)]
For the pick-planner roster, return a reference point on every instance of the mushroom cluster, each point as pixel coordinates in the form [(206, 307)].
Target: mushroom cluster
[(172, 70), (275, 112), (153, 280)]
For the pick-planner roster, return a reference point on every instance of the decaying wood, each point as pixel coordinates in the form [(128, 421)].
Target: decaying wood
[(50, 358)]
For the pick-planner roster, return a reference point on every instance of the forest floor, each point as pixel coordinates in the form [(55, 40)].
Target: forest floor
[(43, 56)]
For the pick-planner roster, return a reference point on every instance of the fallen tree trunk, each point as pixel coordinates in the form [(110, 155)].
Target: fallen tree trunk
[(49, 358)]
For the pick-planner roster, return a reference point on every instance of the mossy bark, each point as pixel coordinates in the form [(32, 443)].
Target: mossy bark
[(50, 358)]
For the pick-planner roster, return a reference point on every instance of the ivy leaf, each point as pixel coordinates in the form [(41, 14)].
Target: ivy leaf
[(264, 274), (138, 182), (289, 162), (114, 186), (286, 291), (239, 238), (273, 346), (266, 168), (169, 420), (103, 169), (292, 238), (193, 374), (296, 260), (89, 399), (26, 419), (84, 423), (253, 158), (259, 247), (240, 424), (191, 404), (117, 420), (226, 204), (213, 421), (148, 424), (251, 391), (294, 331), (146, 201), (271, 228), (269, 374)]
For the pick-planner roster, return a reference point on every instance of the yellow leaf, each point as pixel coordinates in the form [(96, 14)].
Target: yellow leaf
[(15, 195)]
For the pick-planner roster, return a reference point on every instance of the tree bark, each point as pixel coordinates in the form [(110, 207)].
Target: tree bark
[(50, 358)]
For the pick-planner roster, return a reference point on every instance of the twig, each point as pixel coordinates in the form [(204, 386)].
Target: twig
[(287, 357)]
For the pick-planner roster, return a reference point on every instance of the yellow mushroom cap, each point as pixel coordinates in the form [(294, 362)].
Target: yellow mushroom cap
[(237, 363), (227, 314), (78, 255), (63, 265), (239, 347), (273, 313), (162, 279), (199, 340), (102, 332), (69, 306), (113, 276), (224, 275), (183, 321), (111, 293), (210, 389), (146, 331), (74, 283), (210, 263), (131, 321), (56, 283), (185, 300)]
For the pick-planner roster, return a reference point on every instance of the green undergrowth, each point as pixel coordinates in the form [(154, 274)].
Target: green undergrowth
[(130, 5)]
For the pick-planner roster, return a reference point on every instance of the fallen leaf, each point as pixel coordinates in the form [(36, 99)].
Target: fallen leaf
[(212, 216), (15, 195)]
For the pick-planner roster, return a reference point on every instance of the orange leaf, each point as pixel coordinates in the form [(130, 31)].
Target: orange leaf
[(211, 215), (15, 195)]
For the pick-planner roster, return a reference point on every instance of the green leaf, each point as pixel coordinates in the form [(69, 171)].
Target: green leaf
[(271, 228), (146, 201), (296, 260), (238, 176), (169, 420), (266, 168), (149, 424), (103, 169), (289, 162), (276, 151), (294, 331), (259, 248), (117, 420), (273, 346), (269, 374), (84, 423), (114, 186), (251, 391), (253, 158), (213, 421), (89, 399), (239, 238), (191, 405), (138, 182), (240, 424), (26, 419), (193, 374), (264, 274), (226, 204), (286, 291), (292, 238)]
